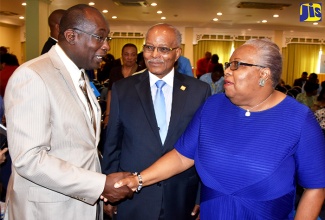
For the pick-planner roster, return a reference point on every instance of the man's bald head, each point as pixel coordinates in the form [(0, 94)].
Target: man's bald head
[(54, 21)]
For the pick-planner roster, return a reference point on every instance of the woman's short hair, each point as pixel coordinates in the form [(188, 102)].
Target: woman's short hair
[(269, 57)]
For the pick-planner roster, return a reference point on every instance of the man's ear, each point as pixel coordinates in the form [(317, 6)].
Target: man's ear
[(70, 36), (178, 53)]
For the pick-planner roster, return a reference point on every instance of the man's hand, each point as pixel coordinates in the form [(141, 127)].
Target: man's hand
[(110, 210), (112, 194), (3, 155), (196, 212)]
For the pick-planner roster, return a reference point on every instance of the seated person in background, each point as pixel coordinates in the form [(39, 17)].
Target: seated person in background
[(320, 116), (309, 96), (202, 64), (3, 50), (320, 103), (212, 63), (9, 64), (215, 79), (313, 77), (302, 80), (183, 65)]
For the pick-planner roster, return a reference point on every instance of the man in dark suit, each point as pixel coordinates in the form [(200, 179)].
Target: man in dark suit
[(134, 138), (54, 21), (302, 80)]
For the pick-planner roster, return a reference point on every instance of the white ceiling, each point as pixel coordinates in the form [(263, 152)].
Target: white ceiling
[(188, 13)]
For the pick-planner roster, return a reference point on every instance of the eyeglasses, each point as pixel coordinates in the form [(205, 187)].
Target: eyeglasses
[(162, 50), (98, 38), (234, 65)]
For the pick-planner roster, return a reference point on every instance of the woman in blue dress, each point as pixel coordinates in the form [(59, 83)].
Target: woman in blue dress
[(250, 146)]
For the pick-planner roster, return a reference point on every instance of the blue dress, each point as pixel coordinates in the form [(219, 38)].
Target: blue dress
[(249, 166)]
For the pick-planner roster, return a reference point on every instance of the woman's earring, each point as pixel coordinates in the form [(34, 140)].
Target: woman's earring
[(261, 82)]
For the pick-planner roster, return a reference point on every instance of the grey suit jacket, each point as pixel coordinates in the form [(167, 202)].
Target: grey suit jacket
[(52, 145)]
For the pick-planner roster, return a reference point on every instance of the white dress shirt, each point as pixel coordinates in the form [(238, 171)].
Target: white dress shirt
[(167, 90)]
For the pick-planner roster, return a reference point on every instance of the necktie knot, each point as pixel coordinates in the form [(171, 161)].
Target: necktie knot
[(160, 84)]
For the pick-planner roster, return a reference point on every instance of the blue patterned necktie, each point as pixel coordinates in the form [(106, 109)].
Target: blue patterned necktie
[(160, 110)]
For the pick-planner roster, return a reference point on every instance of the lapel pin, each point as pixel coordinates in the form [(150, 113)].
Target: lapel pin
[(183, 88)]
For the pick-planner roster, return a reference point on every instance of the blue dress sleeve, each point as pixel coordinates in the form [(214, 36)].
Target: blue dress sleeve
[(310, 154)]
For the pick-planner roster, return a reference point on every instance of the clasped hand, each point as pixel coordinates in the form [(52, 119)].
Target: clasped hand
[(112, 194)]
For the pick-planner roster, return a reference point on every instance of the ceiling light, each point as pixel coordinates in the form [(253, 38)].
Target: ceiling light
[(114, 17), (275, 16), (153, 4), (105, 11), (159, 12), (215, 19), (264, 21), (163, 18), (219, 13), (24, 4), (91, 3), (21, 17)]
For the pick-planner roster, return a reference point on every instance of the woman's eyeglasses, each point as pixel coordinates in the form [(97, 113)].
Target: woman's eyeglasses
[(234, 65)]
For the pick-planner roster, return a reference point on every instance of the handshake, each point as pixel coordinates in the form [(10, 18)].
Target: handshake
[(114, 192)]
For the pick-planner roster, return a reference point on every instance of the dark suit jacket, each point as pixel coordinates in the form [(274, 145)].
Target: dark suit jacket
[(48, 44), (133, 144)]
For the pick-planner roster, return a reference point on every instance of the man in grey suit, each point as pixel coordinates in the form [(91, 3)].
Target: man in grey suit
[(137, 136), (54, 125)]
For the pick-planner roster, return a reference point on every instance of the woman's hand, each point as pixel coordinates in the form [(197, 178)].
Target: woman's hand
[(132, 182)]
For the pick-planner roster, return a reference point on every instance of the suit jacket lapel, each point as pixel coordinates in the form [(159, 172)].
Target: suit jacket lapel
[(180, 96), (58, 64), (144, 93)]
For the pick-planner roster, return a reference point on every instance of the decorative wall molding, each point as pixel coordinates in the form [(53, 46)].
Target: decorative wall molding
[(127, 34), (227, 37), (299, 40)]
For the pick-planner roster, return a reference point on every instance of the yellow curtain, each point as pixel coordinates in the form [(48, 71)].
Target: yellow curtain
[(183, 49), (238, 44), (222, 48), (117, 44), (298, 58)]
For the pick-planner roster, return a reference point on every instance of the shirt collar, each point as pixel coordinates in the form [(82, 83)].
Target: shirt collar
[(68, 63), (169, 78)]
